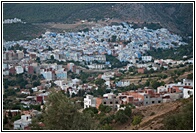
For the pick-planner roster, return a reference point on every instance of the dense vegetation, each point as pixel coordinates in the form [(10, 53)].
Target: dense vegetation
[(56, 12), (153, 26), (173, 53), (60, 113), (177, 17), (115, 62), (19, 31)]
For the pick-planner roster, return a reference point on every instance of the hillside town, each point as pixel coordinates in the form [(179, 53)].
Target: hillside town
[(84, 63)]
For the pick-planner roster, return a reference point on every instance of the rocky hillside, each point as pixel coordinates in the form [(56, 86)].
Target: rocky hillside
[(178, 17)]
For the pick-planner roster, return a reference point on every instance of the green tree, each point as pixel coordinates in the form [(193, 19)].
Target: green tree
[(36, 107), (93, 109), (128, 111), (36, 83), (38, 60), (104, 109), (121, 117), (190, 76), (52, 57), (99, 82), (106, 119), (114, 38), (62, 114), (17, 117)]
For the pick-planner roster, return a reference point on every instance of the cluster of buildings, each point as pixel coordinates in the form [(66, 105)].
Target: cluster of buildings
[(11, 55), (121, 41), (143, 97), (14, 20), (25, 120)]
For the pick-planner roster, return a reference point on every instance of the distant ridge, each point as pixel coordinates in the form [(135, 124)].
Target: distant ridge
[(178, 17)]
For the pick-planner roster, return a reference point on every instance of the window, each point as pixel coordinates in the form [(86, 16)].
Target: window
[(146, 96), (146, 102), (159, 101), (104, 103), (152, 102), (110, 102), (116, 102)]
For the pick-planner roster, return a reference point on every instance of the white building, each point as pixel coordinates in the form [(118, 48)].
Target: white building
[(146, 58), (89, 101), (187, 92), (5, 72), (161, 89), (187, 82), (34, 89), (96, 66), (22, 123), (123, 83), (19, 69)]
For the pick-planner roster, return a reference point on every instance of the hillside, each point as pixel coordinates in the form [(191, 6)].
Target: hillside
[(156, 116), (176, 17)]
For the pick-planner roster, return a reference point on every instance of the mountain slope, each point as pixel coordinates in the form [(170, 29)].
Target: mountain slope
[(178, 17)]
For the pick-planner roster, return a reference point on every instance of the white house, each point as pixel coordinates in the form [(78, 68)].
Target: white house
[(22, 123), (161, 89), (34, 89), (187, 92), (89, 101), (187, 82), (123, 83), (5, 72), (19, 69), (96, 66), (146, 58)]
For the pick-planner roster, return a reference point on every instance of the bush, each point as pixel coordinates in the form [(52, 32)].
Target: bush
[(107, 119), (104, 109), (93, 109), (136, 120), (128, 111), (121, 117)]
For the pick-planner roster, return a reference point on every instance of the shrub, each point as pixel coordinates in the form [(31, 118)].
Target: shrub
[(121, 117), (136, 120)]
